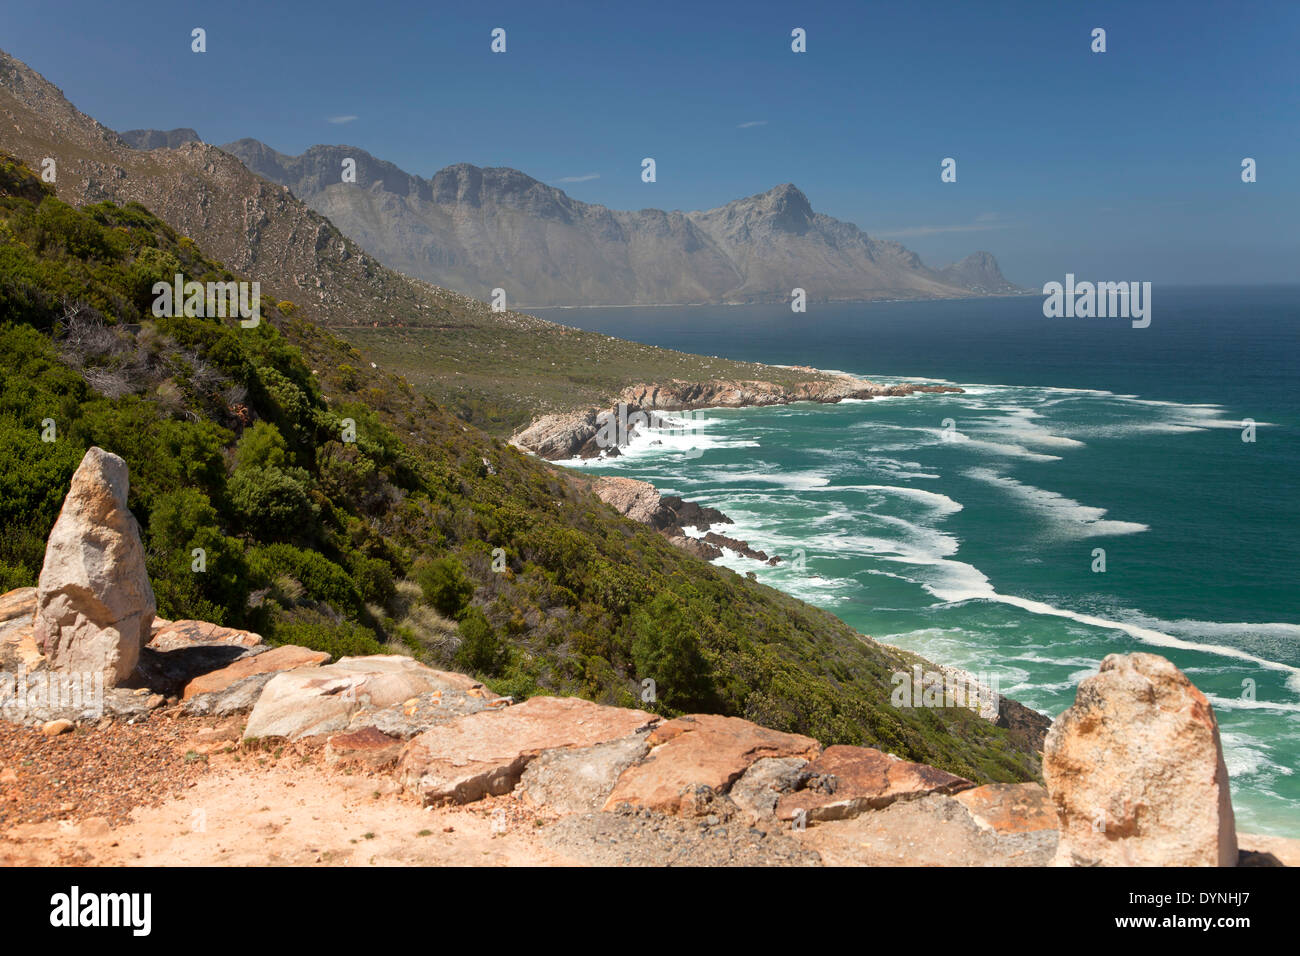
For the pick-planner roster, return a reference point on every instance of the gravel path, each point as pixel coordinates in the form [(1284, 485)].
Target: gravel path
[(104, 770)]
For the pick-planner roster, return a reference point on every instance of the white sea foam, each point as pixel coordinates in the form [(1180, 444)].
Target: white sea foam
[(1068, 518)]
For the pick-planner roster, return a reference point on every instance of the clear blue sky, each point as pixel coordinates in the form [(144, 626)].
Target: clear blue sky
[(1122, 165)]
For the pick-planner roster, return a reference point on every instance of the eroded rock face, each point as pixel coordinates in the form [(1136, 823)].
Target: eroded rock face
[(94, 605), (1135, 769)]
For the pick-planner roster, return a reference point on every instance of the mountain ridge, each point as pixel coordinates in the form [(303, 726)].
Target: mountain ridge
[(474, 229)]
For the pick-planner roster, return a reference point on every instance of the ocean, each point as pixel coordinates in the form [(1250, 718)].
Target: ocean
[(973, 528)]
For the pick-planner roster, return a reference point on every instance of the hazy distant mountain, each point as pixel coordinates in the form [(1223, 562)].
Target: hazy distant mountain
[(475, 229), (978, 272), (160, 139)]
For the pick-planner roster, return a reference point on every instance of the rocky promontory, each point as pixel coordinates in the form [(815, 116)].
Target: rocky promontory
[(591, 432), (671, 516)]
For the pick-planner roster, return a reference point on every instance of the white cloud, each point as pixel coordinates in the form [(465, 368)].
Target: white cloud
[(578, 179), (340, 119), (752, 123)]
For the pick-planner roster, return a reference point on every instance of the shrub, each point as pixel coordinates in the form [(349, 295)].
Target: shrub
[(341, 639), (261, 446), (321, 578), (445, 585), (666, 648), (481, 650), (272, 502)]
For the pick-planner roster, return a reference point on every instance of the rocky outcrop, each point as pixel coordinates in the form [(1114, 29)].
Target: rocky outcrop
[(1135, 769), (671, 516), (592, 432), (94, 604)]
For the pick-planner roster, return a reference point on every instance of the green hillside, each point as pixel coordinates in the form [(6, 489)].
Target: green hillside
[(237, 443)]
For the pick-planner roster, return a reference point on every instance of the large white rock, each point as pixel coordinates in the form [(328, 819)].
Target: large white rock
[(94, 605), (1135, 769)]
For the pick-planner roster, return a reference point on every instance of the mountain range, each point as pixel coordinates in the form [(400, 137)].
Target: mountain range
[(475, 229)]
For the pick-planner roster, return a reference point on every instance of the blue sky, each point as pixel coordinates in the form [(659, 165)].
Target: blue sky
[(1122, 165)]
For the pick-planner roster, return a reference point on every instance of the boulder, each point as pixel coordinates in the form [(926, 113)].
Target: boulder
[(846, 781), (1135, 769), (94, 605), (284, 658), (239, 698), (479, 754), (319, 700), (701, 750)]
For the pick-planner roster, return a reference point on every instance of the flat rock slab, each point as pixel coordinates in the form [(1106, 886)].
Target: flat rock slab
[(701, 750), (846, 781), (580, 780), (933, 830), (284, 658), (18, 649), (174, 635), (642, 837), (1010, 807), (485, 753), (319, 700)]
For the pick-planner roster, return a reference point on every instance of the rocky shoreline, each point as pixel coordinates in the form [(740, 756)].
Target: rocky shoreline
[(671, 516), (591, 432)]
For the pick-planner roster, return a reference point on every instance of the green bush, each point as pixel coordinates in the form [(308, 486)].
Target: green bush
[(666, 648), (341, 639), (272, 502), (321, 578), (445, 585), (481, 651)]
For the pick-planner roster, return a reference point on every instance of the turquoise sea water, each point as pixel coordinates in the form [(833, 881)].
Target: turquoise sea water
[(972, 540)]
